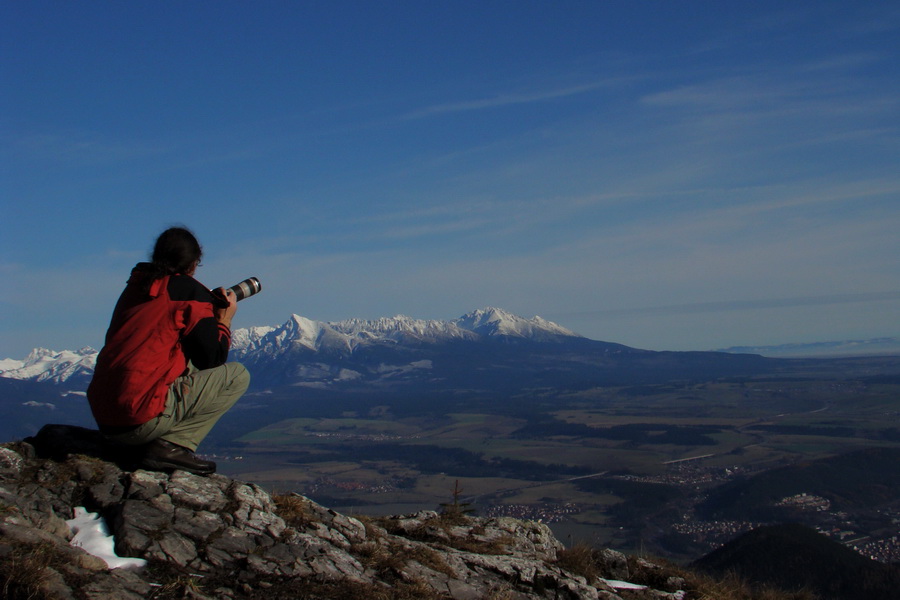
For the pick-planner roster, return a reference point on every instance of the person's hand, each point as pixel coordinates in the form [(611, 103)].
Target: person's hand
[(224, 315)]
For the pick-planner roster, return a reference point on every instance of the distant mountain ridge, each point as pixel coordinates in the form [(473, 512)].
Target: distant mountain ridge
[(346, 336), (793, 557), (372, 354), (872, 347), (332, 338), (305, 339), (43, 365), (490, 350)]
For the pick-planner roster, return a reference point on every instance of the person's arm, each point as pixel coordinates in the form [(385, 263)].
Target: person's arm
[(225, 314), (206, 346), (208, 336)]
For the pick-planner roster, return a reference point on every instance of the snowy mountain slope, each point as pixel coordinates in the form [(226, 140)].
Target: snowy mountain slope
[(51, 366), (243, 338), (489, 350), (344, 337), (497, 322), (386, 351), (299, 334)]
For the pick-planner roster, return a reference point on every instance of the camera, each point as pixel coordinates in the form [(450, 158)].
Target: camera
[(246, 288)]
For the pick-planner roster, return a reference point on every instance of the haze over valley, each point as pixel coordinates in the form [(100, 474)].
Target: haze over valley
[(615, 446)]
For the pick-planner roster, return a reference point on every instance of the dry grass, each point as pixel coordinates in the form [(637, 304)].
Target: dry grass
[(443, 531), (733, 587), (581, 560), (307, 589), (294, 509), (183, 586), (390, 560), (432, 559), (379, 557), (23, 572), (452, 516), (703, 587), (658, 574), (500, 592), (496, 546), (415, 590)]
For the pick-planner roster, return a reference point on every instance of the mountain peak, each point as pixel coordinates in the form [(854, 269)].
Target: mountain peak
[(349, 334), (301, 334), (492, 321), (42, 364)]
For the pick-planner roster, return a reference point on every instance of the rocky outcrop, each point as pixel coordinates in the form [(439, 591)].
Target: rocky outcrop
[(214, 537)]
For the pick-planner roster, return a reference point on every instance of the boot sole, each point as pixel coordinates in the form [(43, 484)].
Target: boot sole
[(167, 467)]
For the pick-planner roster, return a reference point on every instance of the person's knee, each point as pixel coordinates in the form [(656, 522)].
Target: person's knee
[(240, 376)]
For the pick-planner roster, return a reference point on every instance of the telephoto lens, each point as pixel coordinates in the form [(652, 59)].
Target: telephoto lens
[(246, 288)]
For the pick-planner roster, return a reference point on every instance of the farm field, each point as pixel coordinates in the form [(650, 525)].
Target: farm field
[(610, 466)]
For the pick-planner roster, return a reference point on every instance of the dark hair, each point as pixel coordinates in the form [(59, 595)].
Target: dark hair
[(176, 251)]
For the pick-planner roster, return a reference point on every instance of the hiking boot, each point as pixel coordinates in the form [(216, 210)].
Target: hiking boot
[(160, 455)]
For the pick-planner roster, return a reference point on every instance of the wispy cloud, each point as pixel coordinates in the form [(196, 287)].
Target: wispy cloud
[(83, 147), (742, 305), (828, 86), (504, 100)]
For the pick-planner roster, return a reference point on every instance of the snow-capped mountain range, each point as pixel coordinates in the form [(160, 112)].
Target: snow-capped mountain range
[(486, 349), (51, 366), (345, 337), (342, 338), (387, 351)]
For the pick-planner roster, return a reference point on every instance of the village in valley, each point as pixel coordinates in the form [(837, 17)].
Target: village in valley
[(855, 531)]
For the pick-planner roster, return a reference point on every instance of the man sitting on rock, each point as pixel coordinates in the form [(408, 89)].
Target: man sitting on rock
[(161, 380)]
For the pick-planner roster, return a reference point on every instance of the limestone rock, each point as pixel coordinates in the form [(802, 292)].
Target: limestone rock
[(213, 537)]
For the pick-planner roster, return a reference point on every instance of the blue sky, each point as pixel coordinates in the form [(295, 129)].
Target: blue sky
[(669, 175)]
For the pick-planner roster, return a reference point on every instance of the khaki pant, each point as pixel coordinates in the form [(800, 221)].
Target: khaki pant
[(196, 402)]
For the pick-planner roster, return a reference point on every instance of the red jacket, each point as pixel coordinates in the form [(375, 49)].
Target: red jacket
[(153, 334)]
